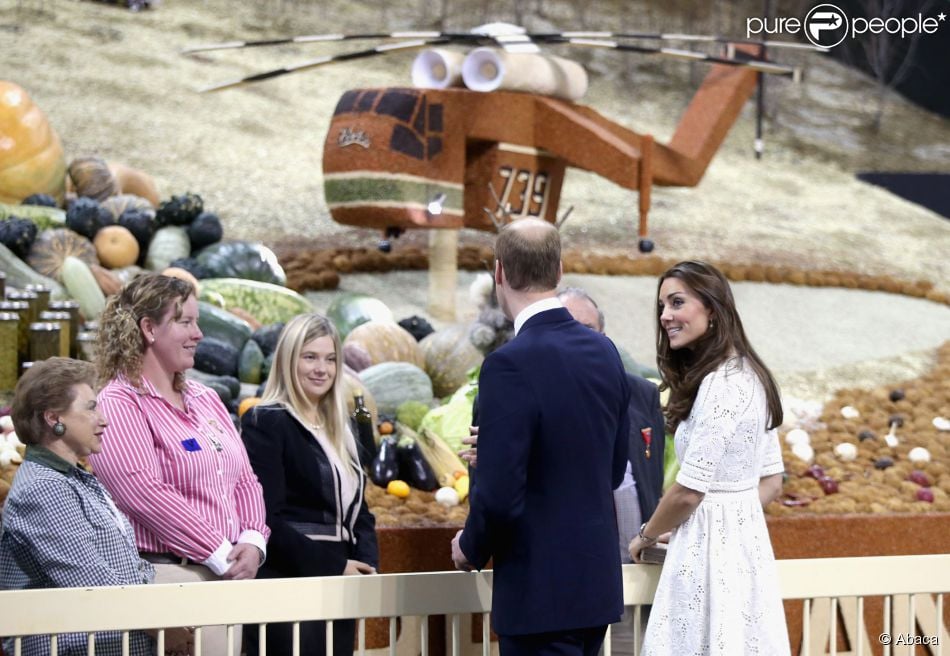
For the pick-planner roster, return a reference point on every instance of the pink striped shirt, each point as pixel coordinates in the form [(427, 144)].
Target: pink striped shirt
[(183, 478)]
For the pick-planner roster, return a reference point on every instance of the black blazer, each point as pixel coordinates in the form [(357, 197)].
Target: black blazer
[(645, 412), (299, 487), (552, 446)]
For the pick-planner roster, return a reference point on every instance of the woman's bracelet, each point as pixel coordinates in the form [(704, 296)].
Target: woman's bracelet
[(645, 537)]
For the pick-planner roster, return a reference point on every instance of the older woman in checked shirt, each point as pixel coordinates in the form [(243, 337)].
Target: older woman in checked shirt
[(172, 458)]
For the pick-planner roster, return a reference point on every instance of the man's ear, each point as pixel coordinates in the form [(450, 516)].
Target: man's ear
[(499, 273)]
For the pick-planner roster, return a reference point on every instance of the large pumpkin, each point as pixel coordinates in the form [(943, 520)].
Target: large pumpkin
[(31, 155), (449, 355), (385, 341)]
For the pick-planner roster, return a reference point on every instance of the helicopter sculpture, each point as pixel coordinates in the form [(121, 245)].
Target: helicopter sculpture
[(437, 154)]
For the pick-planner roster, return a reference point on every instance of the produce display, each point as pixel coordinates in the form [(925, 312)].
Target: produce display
[(885, 450)]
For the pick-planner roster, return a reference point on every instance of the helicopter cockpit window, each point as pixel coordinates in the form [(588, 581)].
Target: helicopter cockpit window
[(398, 104), (435, 118), (365, 103), (406, 142), (347, 102)]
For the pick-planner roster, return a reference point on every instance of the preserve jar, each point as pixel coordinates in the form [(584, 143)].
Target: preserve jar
[(44, 340)]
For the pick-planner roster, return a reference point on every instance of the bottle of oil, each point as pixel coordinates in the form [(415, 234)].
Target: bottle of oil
[(363, 428)]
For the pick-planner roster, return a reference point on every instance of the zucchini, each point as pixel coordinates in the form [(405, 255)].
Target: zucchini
[(266, 302), (20, 274), (43, 217), (82, 285), (221, 324)]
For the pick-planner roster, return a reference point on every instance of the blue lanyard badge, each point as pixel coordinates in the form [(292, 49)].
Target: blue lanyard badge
[(191, 444)]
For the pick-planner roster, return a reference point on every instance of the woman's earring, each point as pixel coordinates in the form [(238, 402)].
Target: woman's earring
[(711, 324), (59, 429)]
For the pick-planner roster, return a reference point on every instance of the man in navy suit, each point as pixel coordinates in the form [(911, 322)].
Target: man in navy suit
[(552, 446), (638, 495)]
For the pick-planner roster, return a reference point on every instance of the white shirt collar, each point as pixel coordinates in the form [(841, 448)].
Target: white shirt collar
[(535, 308)]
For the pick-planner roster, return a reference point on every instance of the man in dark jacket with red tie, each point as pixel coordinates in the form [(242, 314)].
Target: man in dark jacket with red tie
[(552, 446)]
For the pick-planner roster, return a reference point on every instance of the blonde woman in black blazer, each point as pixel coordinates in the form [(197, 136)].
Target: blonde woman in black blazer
[(303, 451)]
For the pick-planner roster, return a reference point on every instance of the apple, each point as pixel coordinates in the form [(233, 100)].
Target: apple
[(925, 494), (919, 477)]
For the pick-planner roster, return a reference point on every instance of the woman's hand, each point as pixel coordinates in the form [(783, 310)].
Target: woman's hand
[(245, 558), (355, 567), (637, 545)]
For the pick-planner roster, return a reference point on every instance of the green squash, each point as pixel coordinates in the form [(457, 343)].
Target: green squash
[(449, 355), (348, 311), (394, 383), (242, 259)]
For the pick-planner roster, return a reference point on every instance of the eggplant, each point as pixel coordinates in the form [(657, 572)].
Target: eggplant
[(414, 467), (385, 466)]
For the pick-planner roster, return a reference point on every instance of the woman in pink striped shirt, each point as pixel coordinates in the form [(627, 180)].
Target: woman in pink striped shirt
[(171, 458)]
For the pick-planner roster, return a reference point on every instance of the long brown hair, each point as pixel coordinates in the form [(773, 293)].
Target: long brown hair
[(683, 369)]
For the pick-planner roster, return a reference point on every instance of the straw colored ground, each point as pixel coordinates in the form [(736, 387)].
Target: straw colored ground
[(113, 84)]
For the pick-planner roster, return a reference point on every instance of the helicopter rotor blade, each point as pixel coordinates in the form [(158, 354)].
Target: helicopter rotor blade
[(329, 59), (702, 38), (690, 55), (459, 37)]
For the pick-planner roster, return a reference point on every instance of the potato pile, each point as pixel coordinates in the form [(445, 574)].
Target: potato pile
[(900, 437), (417, 509)]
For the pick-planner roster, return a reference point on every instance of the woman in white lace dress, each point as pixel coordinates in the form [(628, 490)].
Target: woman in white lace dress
[(718, 592)]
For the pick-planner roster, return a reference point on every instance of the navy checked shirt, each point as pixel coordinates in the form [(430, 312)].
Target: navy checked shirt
[(61, 530)]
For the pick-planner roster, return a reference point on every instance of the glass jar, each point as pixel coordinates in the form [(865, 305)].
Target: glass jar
[(63, 319), (74, 323), (42, 296), (87, 345), (31, 299), (44, 340), (22, 310), (9, 358)]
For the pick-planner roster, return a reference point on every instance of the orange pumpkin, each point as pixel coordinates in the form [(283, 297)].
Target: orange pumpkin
[(31, 155), (116, 247)]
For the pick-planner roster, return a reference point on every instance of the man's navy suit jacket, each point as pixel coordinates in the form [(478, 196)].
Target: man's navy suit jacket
[(552, 446), (645, 412)]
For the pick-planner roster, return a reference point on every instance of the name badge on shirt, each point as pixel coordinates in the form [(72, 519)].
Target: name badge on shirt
[(191, 444)]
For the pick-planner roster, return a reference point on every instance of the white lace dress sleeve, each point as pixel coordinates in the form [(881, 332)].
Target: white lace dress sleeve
[(718, 592)]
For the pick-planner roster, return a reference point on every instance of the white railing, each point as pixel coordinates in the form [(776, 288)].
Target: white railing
[(831, 588)]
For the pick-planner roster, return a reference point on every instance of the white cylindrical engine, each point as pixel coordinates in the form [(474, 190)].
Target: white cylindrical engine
[(490, 69), (437, 69)]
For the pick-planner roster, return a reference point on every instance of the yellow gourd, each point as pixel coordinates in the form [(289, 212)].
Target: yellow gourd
[(31, 155)]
